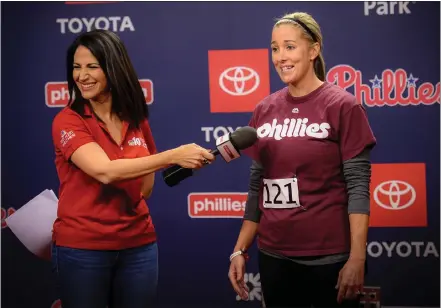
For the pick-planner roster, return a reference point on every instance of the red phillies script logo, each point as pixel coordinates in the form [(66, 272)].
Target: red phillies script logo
[(6, 214), (398, 195), (216, 205), (57, 93), (391, 89), (239, 79)]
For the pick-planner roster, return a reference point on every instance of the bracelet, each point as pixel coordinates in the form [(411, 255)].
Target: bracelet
[(240, 252)]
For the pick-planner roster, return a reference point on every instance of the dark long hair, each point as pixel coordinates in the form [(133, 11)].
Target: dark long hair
[(127, 97)]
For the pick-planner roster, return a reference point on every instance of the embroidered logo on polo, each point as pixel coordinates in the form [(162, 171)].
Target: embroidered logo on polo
[(66, 136), (294, 128), (137, 142)]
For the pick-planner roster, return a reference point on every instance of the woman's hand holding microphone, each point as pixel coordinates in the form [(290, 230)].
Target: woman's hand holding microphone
[(191, 156)]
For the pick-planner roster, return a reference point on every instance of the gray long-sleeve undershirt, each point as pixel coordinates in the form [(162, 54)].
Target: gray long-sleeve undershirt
[(357, 174)]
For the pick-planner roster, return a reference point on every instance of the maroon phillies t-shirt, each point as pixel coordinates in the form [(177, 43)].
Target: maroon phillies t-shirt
[(304, 141)]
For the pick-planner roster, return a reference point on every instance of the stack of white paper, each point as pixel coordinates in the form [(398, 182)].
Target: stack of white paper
[(33, 222)]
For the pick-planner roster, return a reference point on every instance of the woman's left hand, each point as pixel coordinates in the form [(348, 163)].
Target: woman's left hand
[(350, 280)]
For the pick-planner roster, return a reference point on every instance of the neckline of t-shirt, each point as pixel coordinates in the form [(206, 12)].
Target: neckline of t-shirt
[(305, 98)]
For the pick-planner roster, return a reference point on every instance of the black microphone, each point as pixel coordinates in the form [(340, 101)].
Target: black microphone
[(228, 146)]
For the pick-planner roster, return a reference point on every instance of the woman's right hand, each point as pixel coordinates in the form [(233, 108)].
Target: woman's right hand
[(192, 156), (236, 275)]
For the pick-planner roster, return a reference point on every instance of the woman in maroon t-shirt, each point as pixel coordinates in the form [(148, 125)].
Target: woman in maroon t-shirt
[(308, 201)]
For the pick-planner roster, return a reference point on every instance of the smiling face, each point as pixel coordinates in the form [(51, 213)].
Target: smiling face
[(88, 74), (292, 54)]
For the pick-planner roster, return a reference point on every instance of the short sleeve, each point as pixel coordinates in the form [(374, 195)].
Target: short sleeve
[(69, 132), (148, 136), (355, 132)]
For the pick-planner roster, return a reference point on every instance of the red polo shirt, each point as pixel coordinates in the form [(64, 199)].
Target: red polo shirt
[(92, 215)]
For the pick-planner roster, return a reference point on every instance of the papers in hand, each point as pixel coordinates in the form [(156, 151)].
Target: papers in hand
[(32, 223)]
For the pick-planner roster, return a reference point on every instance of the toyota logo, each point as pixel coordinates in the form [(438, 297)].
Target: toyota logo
[(245, 80), (400, 195)]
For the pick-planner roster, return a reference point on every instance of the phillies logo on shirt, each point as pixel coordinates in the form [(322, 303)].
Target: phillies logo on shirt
[(137, 142), (294, 128), (391, 89), (398, 195), (239, 79)]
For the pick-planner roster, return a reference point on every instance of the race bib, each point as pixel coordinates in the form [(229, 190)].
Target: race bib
[(280, 193)]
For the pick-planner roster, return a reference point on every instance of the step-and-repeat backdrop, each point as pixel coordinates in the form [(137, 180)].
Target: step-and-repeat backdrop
[(386, 53)]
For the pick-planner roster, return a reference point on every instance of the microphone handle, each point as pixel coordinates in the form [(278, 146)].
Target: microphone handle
[(175, 174)]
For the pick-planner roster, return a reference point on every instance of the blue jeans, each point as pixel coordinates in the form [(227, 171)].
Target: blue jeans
[(98, 279)]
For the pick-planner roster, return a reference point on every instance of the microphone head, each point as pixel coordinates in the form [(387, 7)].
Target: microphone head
[(244, 137)]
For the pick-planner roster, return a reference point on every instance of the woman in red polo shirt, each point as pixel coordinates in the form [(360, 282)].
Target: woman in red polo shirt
[(104, 251)]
